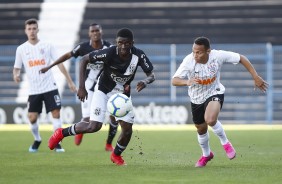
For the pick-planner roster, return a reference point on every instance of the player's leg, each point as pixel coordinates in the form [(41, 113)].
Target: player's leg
[(34, 109), (97, 115), (126, 123), (113, 126), (198, 111), (211, 117), (52, 102), (85, 111)]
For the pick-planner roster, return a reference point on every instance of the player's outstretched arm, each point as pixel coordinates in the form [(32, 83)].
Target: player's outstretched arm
[(82, 93), (61, 59), (176, 81), (142, 84), (258, 81)]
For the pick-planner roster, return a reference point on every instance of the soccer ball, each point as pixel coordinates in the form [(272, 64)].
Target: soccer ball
[(119, 105)]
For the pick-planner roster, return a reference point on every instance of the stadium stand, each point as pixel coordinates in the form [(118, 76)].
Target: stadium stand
[(159, 24), (165, 22)]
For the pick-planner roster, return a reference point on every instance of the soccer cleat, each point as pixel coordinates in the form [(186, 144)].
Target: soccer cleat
[(109, 147), (117, 159), (55, 138), (59, 149), (34, 147), (202, 162), (230, 151), (78, 139)]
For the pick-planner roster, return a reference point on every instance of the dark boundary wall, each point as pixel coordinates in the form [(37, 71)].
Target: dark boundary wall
[(146, 114)]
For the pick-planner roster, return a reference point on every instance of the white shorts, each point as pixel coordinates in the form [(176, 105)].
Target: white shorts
[(98, 110), (85, 106)]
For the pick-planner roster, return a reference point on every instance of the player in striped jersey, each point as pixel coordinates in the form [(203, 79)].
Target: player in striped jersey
[(34, 55), (93, 71), (200, 71)]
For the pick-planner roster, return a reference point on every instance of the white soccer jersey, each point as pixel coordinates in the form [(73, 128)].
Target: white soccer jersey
[(209, 74), (34, 58)]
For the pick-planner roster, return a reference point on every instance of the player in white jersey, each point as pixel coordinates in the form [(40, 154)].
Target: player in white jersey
[(93, 71), (200, 71), (34, 55)]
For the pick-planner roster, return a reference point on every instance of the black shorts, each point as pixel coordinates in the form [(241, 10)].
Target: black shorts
[(198, 110), (51, 100)]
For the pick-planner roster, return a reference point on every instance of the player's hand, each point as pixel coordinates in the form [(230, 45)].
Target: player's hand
[(260, 83), (43, 70), (17, 78), (192, 81), (82, 94), (72, 87), (140, 85), (126, 90)]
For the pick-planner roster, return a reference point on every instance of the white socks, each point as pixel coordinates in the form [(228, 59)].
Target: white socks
[(218, 130), (204, 143), (56, 123), (35, 131)]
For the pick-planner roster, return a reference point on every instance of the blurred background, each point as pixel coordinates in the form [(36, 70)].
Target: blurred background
[(165, 30)]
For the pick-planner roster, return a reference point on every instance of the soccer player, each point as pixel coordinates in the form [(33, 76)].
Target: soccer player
[(120, 65), (200, 71), (93, 71), (35, 54)]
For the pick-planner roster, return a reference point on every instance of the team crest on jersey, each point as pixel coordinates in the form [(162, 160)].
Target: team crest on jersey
[(97, 111), (213, 67), (132, 68)]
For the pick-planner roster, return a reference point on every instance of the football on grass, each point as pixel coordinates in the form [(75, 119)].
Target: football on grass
[(119, 105)]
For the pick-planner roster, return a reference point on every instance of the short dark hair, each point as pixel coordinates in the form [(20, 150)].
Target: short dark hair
[(31, 21), (202, 41), (126, 33), (95, 24)]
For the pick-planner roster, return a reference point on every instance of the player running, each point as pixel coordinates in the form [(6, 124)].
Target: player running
[(120, 65), (200, 71), (93, 71)]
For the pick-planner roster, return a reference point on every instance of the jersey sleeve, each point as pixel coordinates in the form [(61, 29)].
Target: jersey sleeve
[(76, 51), (145, 63), (53, 53), (182, 71), (18, 59), (229, 57)]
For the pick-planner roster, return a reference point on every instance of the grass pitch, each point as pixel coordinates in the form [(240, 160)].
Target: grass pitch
[(166, 156)]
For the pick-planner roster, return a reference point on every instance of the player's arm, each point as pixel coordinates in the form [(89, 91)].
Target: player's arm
[(259, 82), (82, 93), (67, 75), (61, 59), (177, 81), (16, 75), (148, 80)]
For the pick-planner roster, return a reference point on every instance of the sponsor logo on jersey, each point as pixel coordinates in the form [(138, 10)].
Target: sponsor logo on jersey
[(32, 63), (95, 66), (143, 56), (206, 81), (119, 78), (100, 56)]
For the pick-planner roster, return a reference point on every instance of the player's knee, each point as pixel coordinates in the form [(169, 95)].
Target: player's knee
[(94, 126), (211, 121)]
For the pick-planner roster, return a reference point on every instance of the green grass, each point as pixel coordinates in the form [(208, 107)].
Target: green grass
[(152, 157)]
